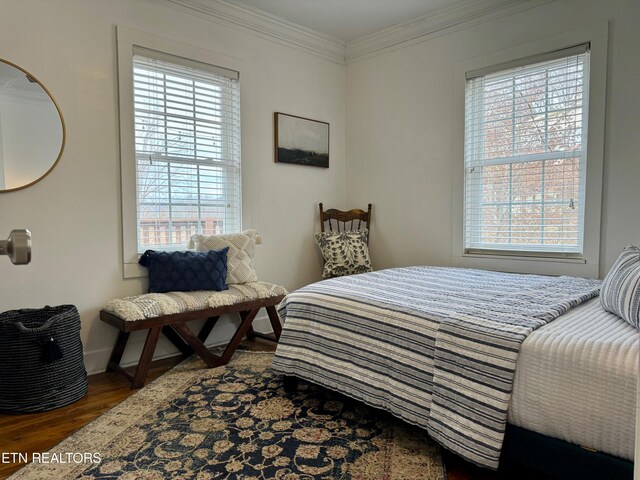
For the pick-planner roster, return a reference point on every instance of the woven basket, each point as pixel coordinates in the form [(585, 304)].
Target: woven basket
[(41, 360)]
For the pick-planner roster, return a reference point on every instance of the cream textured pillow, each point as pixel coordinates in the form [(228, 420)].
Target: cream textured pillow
[(344, 253), (620, 292), (242, 248)]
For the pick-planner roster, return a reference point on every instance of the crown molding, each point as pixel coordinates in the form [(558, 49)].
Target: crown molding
[(265, 26), (461, 15)]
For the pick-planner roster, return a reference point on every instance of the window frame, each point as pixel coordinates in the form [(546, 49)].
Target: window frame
[(474, 105), (586, 264), (129, 40)]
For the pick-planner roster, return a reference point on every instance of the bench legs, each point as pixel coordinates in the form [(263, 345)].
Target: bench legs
[(246, 318), (118, 350), (138, 379), (207, 327), (187, 342), (275, 324), (196, 344), (179, 342), (145, 359), (275, 321)]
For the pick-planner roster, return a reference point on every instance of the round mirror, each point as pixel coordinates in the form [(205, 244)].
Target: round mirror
[(32, 130)]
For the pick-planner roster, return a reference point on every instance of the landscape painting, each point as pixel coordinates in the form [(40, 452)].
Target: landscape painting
[(301, 141)]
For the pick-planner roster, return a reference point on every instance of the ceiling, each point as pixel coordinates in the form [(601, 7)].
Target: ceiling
[(347, 20)]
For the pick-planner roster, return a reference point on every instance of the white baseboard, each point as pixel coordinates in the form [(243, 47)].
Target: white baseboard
[(95, 361)]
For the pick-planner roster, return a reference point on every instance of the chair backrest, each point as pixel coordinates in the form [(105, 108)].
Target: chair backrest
[(341, 221)]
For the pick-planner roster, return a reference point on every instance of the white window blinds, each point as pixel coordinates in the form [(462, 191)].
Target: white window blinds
[(187, 142), (525, 155)]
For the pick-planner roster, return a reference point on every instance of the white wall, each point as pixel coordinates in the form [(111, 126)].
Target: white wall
[(400, 129), (74, 213)]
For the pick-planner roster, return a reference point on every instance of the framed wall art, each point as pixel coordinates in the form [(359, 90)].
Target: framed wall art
[(301, 141)]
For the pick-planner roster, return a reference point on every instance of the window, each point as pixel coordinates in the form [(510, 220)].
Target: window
[(187, 149), (525, 155)]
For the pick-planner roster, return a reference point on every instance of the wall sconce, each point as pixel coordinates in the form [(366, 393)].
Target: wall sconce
[(17, 247)]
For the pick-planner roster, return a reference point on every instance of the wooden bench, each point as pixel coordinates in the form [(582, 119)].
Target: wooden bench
[(168, 314)]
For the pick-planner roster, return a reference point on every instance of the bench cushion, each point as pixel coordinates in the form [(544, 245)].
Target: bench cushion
[(152, 305)]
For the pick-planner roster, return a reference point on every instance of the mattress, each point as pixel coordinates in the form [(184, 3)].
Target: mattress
[(576, 380)]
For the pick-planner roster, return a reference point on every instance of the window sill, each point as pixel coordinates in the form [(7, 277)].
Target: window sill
[(583, 266), (575, 267), (133, 270), (526, 258)]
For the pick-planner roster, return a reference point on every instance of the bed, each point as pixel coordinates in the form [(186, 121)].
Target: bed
[(460, 352)]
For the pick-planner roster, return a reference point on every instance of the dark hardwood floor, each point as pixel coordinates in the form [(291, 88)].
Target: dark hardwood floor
[(40, 432)]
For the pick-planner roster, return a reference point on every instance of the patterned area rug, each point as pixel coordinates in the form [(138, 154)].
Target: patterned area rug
[(236, 422)]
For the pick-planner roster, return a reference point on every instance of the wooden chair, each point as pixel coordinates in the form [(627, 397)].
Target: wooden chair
[(341, 221)]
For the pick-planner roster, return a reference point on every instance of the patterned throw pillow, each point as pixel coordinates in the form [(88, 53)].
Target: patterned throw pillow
[(620, 292), (186, 271), (242, 248), (344, 253)]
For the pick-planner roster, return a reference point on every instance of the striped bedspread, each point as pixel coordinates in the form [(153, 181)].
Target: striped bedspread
[(436, 347)]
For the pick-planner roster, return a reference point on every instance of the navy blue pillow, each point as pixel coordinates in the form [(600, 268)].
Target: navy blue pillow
[(186, 271)]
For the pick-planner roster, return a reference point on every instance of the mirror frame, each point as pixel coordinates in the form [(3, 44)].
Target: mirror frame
[(64, 129)]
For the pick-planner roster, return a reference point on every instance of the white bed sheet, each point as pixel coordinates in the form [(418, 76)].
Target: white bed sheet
[(576, 380)]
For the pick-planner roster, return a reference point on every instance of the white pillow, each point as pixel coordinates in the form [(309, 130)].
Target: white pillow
[(620, 292), (242, 248)]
